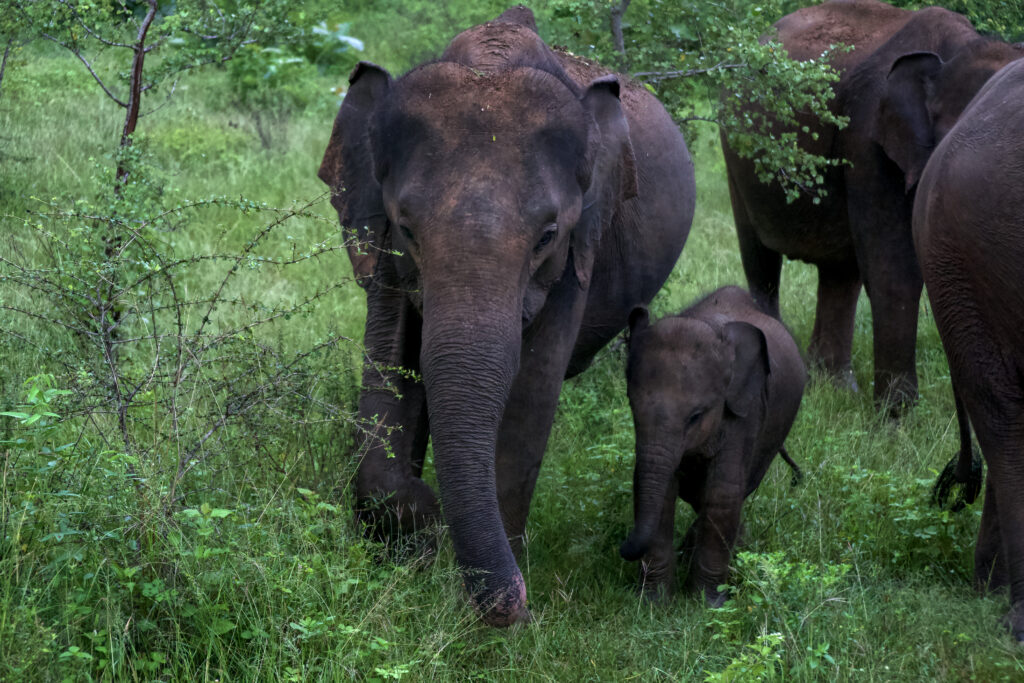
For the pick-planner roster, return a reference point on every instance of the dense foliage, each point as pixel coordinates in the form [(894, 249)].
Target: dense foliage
[(179, 335)]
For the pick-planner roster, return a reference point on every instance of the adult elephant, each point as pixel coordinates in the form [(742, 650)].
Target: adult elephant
[(902, 87), (969, 234), (513, 205)]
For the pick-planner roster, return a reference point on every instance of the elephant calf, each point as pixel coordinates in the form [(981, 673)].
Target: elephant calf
[(714, 392)]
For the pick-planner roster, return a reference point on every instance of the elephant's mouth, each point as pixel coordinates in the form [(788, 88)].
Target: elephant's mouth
[(533, 302)]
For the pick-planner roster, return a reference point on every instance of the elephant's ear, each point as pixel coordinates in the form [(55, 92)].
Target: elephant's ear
[(904, 127), (608, 171), (750, 368), (347, 168), (639, 320)]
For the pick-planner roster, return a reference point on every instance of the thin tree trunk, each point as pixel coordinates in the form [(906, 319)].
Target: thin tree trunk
[(131, 118), (616, 23), (3, 64), (110, 318)]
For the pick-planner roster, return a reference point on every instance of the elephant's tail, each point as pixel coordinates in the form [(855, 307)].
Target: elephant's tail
[(952, 476), (798, 475), (964, 470)]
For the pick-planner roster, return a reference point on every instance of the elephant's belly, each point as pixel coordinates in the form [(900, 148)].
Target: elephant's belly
[(804, 231)]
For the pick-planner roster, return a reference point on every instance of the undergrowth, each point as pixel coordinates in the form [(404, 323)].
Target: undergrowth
[(178, 432)]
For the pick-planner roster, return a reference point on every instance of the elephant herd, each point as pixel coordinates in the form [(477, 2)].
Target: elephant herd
[(513, 208)]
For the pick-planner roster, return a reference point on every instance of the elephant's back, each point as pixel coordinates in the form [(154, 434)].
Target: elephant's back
[(654, 135), (787, 373), (644, 238), (733, 303), (812, 229), (968, 212), (783, 352), (864, 24)]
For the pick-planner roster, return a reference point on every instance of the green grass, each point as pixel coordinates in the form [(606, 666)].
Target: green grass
[(257, 573)]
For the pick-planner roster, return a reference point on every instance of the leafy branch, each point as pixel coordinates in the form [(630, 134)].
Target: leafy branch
[(707, 61)]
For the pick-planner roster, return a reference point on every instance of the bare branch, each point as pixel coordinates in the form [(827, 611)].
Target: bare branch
[(74, 50), (702, 118), (245, 253), (167, 100), (655, 76), (88, 30), (218, 60)]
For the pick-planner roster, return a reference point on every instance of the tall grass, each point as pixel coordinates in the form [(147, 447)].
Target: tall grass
[(257, 573)]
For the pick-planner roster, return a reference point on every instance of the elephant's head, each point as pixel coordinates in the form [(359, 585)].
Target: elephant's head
[(689, 382), (491, 184), (924, 96)]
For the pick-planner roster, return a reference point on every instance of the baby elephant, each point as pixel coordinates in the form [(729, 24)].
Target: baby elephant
[(714, 392)]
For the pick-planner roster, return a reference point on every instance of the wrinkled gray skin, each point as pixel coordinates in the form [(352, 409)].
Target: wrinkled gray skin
[(902, 88), (535, 200), (714, 392), (969, 235)]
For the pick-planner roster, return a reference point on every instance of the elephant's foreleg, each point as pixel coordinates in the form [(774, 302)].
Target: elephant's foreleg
[(832, 340), (892, 278), (530, 410), (658, 565), (894, 309), (390, 496), (718, 527)]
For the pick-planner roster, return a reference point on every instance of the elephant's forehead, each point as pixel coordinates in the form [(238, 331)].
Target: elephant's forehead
[(683, 350), (683, 332), (456, 103)]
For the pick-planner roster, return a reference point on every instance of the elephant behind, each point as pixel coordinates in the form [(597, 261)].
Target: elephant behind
[(969, 234), (512, 205), (714, 392), (902, 87)]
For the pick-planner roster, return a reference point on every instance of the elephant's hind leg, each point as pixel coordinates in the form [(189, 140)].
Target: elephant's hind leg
[(993, 393), (999, 556), (990, 569)]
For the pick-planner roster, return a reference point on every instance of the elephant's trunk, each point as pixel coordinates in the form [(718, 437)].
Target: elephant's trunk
[(653, 479), (470, 355)]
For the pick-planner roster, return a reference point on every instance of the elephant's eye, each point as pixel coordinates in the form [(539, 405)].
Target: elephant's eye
[(545, 239), (407, 234), (694, 418)]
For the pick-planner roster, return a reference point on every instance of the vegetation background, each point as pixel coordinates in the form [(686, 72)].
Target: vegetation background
[(180, 359)]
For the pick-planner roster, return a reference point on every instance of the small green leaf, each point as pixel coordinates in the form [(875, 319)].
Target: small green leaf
[(219, 626)]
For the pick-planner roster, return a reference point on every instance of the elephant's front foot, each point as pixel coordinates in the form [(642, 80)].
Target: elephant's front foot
[(716, 598), (991, 572), (895, 395), (1014, 621), (709, 589), (839, 373), (389, 516), (845, 379), (657, 575)]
